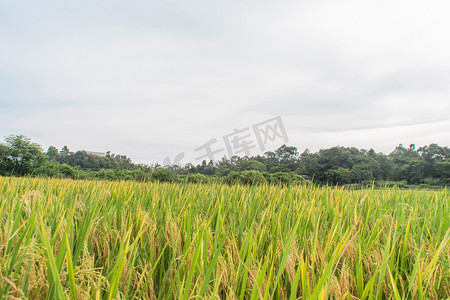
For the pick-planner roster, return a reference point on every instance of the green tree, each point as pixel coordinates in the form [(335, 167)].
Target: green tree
[(197, 178), (4, 159), (443, 169), (339, 176), (361, 173), (251, 165), (163, 175), (245, 177), (22, 156), (52, 152), (65, 150)]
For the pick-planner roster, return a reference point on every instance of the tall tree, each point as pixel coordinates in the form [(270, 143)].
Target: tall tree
[(21, 156)]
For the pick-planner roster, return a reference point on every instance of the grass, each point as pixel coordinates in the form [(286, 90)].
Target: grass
[(126, 240)]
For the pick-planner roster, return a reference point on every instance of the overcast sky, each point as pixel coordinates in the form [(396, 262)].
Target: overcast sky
[(151, 79)]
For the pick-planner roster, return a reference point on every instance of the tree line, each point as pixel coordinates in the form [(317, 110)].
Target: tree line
[(428, 166)]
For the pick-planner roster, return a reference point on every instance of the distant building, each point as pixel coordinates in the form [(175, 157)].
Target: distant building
[(95, 153)]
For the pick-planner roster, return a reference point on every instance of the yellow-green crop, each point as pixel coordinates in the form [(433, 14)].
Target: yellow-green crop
[(110, 240)]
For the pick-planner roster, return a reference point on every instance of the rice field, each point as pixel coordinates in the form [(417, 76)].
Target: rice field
[(127, 240)]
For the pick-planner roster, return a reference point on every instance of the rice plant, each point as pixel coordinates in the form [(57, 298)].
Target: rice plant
[(127, 240)]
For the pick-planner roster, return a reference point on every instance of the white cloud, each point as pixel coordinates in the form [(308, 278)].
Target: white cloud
[(150, 79)]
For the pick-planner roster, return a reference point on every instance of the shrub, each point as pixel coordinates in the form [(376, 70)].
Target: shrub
[(163, 175), (67, 171), (245, 177), (196, 178), (432, 181), (286, 178)]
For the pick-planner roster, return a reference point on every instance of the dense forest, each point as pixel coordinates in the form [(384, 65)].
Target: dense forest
[(428, 166)]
